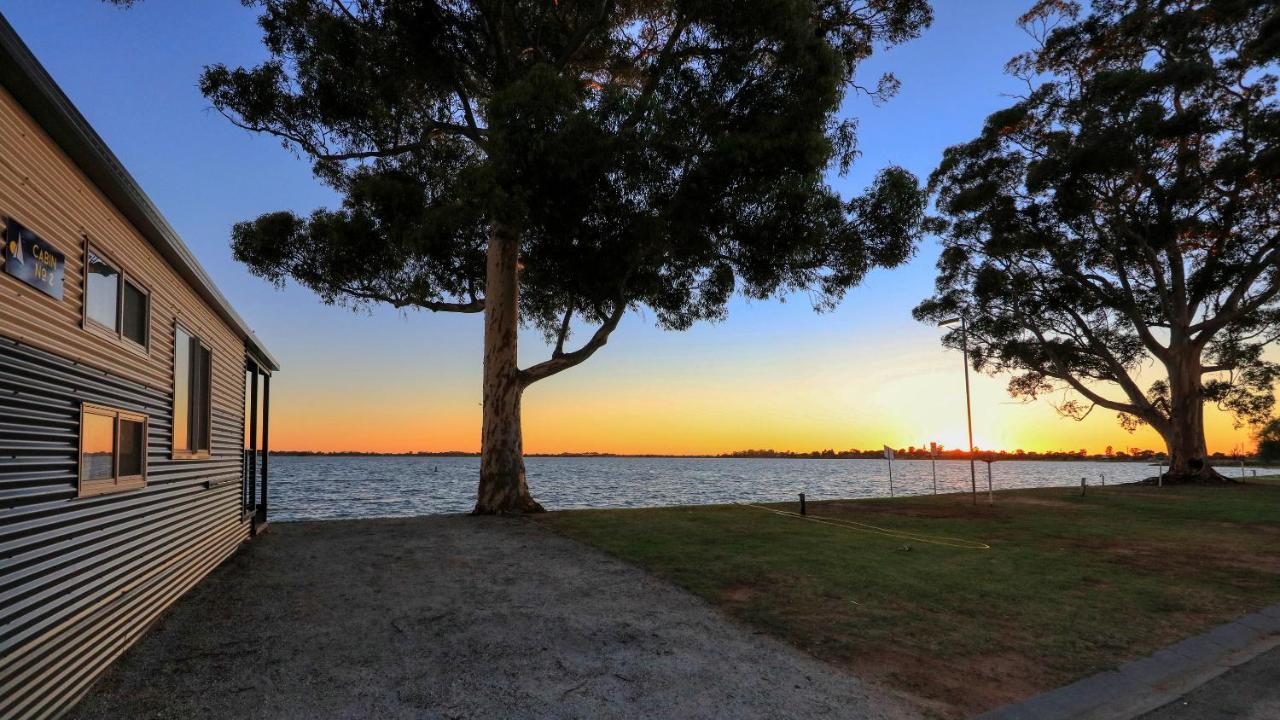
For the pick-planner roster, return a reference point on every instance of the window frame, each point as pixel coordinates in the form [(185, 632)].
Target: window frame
[(116, 483), (145, 292), (207, 419), (123, 276)]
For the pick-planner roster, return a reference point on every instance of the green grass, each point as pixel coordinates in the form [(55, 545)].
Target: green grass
[(1070, 586)]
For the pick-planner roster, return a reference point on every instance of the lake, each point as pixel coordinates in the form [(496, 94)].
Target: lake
[(324, 488)]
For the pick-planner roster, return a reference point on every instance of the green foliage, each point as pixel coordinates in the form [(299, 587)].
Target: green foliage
[(655, 154), (1269, 441), (1123, 212)]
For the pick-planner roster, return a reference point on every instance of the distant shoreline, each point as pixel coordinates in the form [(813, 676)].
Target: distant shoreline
[(1151, 458)]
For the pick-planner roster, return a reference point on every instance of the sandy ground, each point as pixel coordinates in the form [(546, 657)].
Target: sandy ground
[(457, 617), (1248, 692)]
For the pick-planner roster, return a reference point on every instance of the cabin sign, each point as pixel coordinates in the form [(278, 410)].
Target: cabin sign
[(32, 260)]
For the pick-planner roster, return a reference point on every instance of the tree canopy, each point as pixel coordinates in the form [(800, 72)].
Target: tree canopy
[(1269, 441), (1122, 215), (557, 163), (656, 154)]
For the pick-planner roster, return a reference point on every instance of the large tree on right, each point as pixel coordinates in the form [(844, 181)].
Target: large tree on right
[(1114, 235)]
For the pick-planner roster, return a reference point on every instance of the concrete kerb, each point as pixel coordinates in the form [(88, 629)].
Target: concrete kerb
[(1142, 685)]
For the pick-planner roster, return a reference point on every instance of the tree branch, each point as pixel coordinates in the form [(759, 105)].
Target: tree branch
[(1232, 309), (465, 100), (564, 332), (468, 307), (651, 83), (367, 154), (561, 361), (310, 147), (1061, 372), (584, 31), (401, 301), (1130, 309), (1119, 373)]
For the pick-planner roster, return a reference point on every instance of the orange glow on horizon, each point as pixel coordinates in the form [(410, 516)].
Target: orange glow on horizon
[(636, 410)]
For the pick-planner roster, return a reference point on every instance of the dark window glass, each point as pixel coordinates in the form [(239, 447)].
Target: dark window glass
[(200, 405), (193, 379), (98, 438), (132, 447), (101, 294), (182, 390), (134, 313)]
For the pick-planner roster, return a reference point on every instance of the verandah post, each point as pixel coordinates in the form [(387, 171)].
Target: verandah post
[(266, 440), (253, 435)]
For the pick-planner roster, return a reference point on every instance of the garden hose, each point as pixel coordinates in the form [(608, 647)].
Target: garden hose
[(866, 527)]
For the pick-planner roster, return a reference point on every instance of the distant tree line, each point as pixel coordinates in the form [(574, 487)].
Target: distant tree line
[(922, 453), (462, 453), (1269, 451)]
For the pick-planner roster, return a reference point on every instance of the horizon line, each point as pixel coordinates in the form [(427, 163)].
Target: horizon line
[(754, 453)]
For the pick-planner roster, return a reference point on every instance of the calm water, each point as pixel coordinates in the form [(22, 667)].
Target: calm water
[(318, 488)]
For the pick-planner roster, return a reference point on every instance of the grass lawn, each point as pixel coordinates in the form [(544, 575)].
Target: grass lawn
[(1070, 586)]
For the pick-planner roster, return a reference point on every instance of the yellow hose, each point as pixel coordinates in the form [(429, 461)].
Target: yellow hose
[(865, 527)]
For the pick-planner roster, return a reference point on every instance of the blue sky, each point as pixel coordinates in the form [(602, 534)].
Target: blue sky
[(833, 379)]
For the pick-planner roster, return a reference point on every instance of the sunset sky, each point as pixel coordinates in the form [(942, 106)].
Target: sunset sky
[(774, 375)]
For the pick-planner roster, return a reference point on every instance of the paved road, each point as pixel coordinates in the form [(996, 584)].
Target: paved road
[(457, 617), (1248, 692)]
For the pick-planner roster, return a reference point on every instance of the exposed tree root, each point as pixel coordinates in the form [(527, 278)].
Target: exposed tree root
[(1204, 477)]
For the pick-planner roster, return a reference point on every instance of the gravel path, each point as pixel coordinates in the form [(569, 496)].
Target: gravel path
[(458, 617)]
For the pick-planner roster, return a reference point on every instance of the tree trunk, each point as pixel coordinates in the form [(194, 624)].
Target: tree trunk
[(503, 489), (1184, 435)]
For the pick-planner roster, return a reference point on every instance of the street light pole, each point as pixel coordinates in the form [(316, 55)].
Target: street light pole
[(968, 404)]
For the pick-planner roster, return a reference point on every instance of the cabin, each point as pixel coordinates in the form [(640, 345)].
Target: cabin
[(129, 388)]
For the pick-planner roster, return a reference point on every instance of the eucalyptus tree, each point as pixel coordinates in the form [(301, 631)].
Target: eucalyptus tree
[(1269, 441), (1120, 220), (553, 164)]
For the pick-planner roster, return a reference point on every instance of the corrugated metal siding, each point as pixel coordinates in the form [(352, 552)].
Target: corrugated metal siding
[(80, 579), (42, 189)]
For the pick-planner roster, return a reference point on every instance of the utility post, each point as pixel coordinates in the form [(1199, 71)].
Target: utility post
[(968, 404), (933, 460)]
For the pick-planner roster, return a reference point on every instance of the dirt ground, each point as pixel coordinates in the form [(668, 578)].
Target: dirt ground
[(458, 617)]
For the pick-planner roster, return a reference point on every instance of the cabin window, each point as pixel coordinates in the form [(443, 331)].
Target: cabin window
[(192, 381), (98, 437), (134, 313), (102, 292), (113, 302), (113, 450)]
